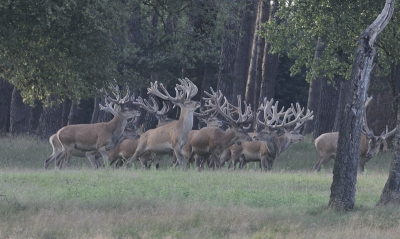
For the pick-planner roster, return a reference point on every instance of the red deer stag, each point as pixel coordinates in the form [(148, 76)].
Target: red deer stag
[(212, 141), (99, 137), (172, 136), (128, 147), (326, 144), (277, 134), (93, 156)]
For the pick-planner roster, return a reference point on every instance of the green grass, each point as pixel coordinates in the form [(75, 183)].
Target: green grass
[(79, 202)]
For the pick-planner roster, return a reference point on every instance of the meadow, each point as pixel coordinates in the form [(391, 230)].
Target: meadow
[(288, 202)]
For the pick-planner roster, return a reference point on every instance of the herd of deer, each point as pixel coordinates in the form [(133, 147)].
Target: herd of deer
[(115, 144)]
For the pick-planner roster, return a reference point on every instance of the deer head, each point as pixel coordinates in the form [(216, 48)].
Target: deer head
[(374, 142), (233, 114)]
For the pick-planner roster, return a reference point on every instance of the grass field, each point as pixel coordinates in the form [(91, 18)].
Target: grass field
[(288, 202)]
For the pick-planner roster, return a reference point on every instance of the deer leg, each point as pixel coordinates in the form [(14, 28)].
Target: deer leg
[(179, 156), (92, 158), (50, 159), (361, 165), (322, 160), (104, 154)]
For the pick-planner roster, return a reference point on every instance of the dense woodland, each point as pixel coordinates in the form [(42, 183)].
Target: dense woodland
[(56, 55)]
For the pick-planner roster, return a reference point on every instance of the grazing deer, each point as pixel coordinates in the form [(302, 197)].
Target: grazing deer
[(93, 156), (212, 141), (128, 147), (171, 136), (277, 136), (99, 137), (326, 144)]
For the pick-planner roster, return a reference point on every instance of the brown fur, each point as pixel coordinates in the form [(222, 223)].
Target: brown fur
[(326, 145)]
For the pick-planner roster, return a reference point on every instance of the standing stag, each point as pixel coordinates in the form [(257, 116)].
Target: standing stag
[(212, 141), (99, 137), (277, 135), (172, 136), (326, 144), (93, 156), (128, 147)]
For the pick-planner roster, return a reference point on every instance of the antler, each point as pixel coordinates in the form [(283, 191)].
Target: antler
[(109, 107), (271, 114), (226, 109), (153, 108), (369, 132), (299, 117), (184, 92), (116, 92), (365, 129)]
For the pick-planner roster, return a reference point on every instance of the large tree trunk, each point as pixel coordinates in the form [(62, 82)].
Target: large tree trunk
[(5, 104), (243, 50), (19, 114), (314, 89), (270, 64), (391, 191), (227, 62), (343, 187), (325, 117)]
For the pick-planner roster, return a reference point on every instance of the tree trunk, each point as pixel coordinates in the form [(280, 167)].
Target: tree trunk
[(343, 187), (243, 50), (96, 109), (270, 64), (227, 62), (5, 104), (251, 75), (34, 117), (343, 89), (325, 117), (50, 121), (391, 191), (66, 107), (260, 54), (19, 114), (314, 89)]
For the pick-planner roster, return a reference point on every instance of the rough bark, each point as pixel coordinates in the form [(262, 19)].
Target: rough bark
[(19, 114), (345, 167), (5, 104), (391, 191), (314, 89)]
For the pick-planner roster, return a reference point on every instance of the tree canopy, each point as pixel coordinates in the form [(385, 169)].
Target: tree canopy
[(339, 23), (71, 48)]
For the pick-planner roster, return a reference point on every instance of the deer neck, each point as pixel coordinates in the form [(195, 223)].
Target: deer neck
[(228, 138), (117, 126), (284, 143), (185, 121), (273, 146)]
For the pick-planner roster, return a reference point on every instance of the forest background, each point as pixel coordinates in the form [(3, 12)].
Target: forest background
[(56, 55)]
